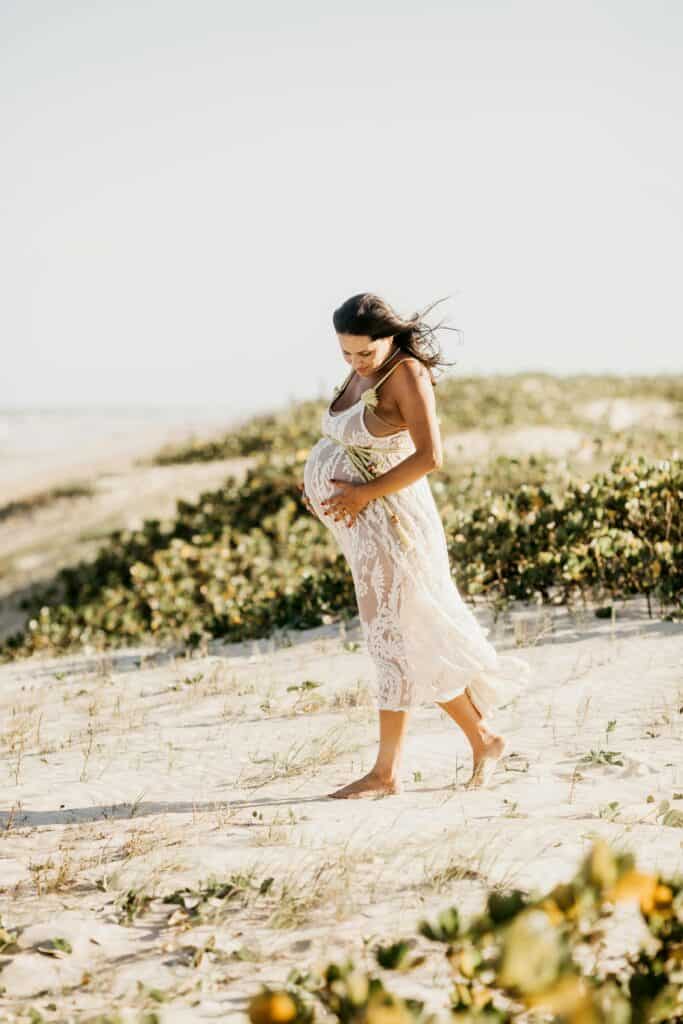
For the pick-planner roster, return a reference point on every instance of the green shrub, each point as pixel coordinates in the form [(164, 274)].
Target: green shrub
[(620, 533), (247, 558)]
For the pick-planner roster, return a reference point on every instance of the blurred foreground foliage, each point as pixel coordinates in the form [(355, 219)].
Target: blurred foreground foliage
[(247, 558), (527, 957)]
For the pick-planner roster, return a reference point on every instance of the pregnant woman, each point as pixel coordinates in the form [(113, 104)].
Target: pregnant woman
[(366, 480)]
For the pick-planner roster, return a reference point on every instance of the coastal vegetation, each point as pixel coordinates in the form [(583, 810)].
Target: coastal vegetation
[(602, 521)]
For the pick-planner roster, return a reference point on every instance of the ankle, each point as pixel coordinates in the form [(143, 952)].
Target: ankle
[(485, 733), (384, 775), (483, 738)]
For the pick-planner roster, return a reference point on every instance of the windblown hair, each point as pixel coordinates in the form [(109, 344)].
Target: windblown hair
[(368, 315)]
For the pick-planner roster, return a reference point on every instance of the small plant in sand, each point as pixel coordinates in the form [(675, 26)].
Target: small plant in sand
[(276, 831), (8, 940), (667, 718), (16, 738), (512, 809), (273, 835), (299, 894), (608, 757), (308, 701), (58, 948), (542, 626), (582, 711), (193, 680), (440, 872), (304, 687), (54, 875), (610, 811), (209, 901), (299, 758), (17, 749), (9, 823), (358, 696), (326, 889), (87, 751), (138, 842), (224, 813), (131, 904), (670, 816), (454, 870)]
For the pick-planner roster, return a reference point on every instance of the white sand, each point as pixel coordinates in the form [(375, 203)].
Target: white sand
[(622, 413), (515, 442), (156, 775)]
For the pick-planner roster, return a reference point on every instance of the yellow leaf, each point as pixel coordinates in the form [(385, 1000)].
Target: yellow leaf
[(635, 885), (552, 910), (602, 863), (566, 996)]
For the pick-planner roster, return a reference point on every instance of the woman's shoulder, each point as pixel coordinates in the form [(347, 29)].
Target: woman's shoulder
[(414, 368), (412, 361)]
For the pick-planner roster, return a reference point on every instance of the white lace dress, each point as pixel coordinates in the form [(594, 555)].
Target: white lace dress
[(425, 642)]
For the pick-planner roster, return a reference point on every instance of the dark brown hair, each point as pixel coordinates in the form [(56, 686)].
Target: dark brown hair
[(368, 315)]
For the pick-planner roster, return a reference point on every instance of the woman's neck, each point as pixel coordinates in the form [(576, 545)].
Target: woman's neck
[(387, 360)]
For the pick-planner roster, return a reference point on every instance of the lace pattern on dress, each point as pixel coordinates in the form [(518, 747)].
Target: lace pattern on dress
[(425, 642)]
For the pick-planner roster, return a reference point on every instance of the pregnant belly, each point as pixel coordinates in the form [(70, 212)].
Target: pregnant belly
[(326, 459)]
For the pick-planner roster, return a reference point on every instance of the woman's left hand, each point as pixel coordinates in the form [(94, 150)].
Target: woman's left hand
[(347, 501)]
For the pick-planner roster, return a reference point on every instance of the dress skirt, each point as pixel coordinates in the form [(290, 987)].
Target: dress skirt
[(425, 642)]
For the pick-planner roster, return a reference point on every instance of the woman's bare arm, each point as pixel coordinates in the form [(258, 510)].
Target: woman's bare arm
[(413, 393)]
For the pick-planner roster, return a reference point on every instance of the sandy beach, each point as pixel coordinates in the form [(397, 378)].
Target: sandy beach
[(129, 776), (142, 783)]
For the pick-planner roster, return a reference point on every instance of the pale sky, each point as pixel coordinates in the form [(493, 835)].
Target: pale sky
[(189, 189)]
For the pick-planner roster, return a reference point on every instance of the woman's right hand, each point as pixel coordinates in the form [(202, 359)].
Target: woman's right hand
[(306, 502)]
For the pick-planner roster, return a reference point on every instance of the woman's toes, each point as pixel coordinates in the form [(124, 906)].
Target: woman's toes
[(484, 763)]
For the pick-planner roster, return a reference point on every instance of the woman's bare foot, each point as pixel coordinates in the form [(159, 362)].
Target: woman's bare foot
[(371, 784), (484, 761)]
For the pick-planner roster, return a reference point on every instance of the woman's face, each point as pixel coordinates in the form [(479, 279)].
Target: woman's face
[(363, 353)]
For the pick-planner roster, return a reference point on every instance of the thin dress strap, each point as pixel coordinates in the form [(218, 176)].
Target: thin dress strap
[(387, 374), (350, 374), (376, 388)]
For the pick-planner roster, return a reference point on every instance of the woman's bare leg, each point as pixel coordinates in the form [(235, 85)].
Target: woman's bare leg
[(383, 778), (487, 746)]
